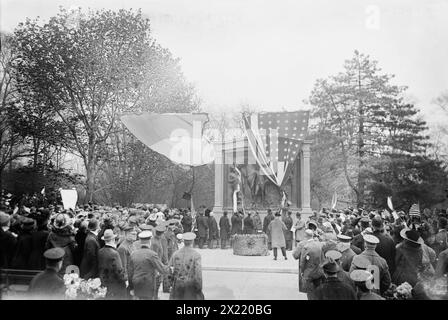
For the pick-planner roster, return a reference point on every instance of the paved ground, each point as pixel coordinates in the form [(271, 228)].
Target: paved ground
[(230, 277)]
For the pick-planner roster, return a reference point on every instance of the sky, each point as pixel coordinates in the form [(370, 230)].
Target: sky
[(268, 54)]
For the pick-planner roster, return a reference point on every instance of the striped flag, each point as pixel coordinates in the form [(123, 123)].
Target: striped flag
[(414, 210), (275, 140)]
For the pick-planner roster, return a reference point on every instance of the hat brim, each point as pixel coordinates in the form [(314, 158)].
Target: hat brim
[(108, 238), (403, 235)]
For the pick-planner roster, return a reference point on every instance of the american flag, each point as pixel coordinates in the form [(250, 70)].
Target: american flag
[(275, 138)]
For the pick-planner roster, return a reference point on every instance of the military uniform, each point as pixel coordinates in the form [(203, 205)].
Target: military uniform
[(187, 273), (310, 271), (48, 284), (143, 268)]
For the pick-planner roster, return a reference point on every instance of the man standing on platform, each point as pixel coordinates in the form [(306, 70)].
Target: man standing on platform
[(224, 229), (187, 221), (277, 231), (300, 228), (258, 225), (267, 220), (202, 225), (213, 232), (248, 224), (287, 220)]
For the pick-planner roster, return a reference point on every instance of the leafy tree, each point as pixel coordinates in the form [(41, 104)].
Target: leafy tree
[(11, 142), (87, 72), (380, 140)]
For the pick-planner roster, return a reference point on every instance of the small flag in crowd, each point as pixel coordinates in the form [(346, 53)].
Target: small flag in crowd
[(334, 200), (414, 210), (389, 203)]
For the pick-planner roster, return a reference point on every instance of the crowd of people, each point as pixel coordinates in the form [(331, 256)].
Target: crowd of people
[(342, 254), (356, 254)]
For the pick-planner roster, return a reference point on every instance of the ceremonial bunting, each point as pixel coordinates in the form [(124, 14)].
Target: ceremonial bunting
[(275, 140)]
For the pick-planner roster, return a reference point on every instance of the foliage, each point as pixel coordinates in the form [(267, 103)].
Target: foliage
[(368, 133)]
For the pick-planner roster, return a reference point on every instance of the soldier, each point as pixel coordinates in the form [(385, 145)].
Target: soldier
[(344, 276), (375, 259), (143, 267), (187, 272), (48, 284), (310, 259), (363, 281), (159, 244), (343, 247)]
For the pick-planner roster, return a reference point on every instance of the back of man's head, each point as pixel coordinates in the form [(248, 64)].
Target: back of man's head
[(93, 224)]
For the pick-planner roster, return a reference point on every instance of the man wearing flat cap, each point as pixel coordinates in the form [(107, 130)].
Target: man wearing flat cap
[(48, 284), (363, 283), (347, 254), (334, 255), (143, 267), (126, 247), (187, 271), (310, 259), (333, 288), (369, 254)]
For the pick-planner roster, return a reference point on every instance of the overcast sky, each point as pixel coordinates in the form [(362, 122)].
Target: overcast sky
[(269, 53)]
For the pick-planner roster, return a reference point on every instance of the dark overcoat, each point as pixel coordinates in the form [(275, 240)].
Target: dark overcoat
[(89, 263), (224, 227), (7, 248), (237, 224), (202, 224), (142, 272), (111, 272), (187, 275), (47, 285)]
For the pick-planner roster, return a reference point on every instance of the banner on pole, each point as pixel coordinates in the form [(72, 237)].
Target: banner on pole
[(69, 198), (389, 203), (334, 200)]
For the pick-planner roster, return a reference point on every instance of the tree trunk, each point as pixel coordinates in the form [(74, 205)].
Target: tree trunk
[(90, 171)]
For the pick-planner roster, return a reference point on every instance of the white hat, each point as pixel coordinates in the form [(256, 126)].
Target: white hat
[(145, 234), (179, 236)]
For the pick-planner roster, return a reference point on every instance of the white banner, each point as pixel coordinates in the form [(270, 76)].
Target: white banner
[(69, 198)]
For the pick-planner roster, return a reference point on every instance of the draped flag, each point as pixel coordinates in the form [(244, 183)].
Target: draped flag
[(275, 141), (178, 136), (389, 203)]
